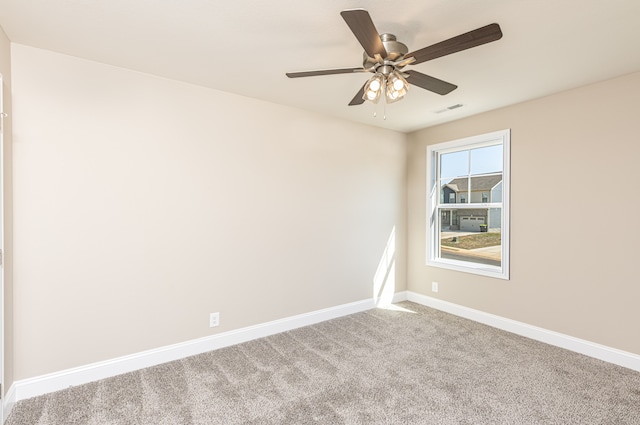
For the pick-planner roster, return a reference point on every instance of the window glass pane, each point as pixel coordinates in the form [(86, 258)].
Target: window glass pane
[(471, 235), (486, 160), (486, 189), (454, 164)]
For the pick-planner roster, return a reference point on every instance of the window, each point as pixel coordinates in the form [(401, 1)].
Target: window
[(473, 234)]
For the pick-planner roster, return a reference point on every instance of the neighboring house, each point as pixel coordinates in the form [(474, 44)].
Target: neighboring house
[(483, 190)]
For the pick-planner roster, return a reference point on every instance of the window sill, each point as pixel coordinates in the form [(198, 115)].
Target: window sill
[(473, 268)]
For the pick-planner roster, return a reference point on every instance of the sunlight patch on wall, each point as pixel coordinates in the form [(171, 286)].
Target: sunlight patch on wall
[(384, 283)]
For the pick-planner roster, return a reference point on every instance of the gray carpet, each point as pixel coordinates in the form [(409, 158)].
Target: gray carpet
[(376, 367)]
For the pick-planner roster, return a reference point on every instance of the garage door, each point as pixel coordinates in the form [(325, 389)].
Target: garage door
[(471, 224)]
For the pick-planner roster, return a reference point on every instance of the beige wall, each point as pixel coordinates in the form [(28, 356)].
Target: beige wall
[(144, 204), (5, 70), (574, 269)]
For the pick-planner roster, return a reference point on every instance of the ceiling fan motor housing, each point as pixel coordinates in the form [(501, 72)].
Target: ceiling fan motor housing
[(395, 51)]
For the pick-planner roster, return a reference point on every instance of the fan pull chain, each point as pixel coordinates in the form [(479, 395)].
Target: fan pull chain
[(384, 111)]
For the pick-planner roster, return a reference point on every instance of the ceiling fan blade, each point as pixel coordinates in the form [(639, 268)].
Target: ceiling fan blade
[(365, 31), (324, 72), (427, 82), (480, 36), (358, 99)]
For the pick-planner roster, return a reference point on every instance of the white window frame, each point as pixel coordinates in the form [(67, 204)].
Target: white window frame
[(433, 200)]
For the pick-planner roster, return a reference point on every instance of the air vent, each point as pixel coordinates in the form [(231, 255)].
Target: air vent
[(450, 108)]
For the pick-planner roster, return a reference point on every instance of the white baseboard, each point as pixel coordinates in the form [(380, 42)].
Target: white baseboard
[(588, 348), (400, 296), (8, 402), (44, 384)]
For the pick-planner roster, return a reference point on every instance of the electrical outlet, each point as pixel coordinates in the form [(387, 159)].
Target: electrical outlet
[(434, 286), (214, 320)]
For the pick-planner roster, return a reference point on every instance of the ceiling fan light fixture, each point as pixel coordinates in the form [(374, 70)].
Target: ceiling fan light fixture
[(374, 87), (396, 87), (372, 96), (398, 81)]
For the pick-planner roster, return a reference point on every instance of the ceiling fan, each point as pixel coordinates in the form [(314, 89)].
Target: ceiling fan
[(386, 57)]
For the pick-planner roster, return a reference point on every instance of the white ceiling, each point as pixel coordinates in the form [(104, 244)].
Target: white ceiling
[(246, 46)]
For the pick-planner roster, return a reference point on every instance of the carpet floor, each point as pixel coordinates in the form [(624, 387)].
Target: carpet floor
[(414, 365)]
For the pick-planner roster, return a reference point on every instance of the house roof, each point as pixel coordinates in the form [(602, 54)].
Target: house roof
[(478, 183)]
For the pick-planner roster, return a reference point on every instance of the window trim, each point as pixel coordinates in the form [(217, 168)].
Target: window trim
[(433, 199)]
